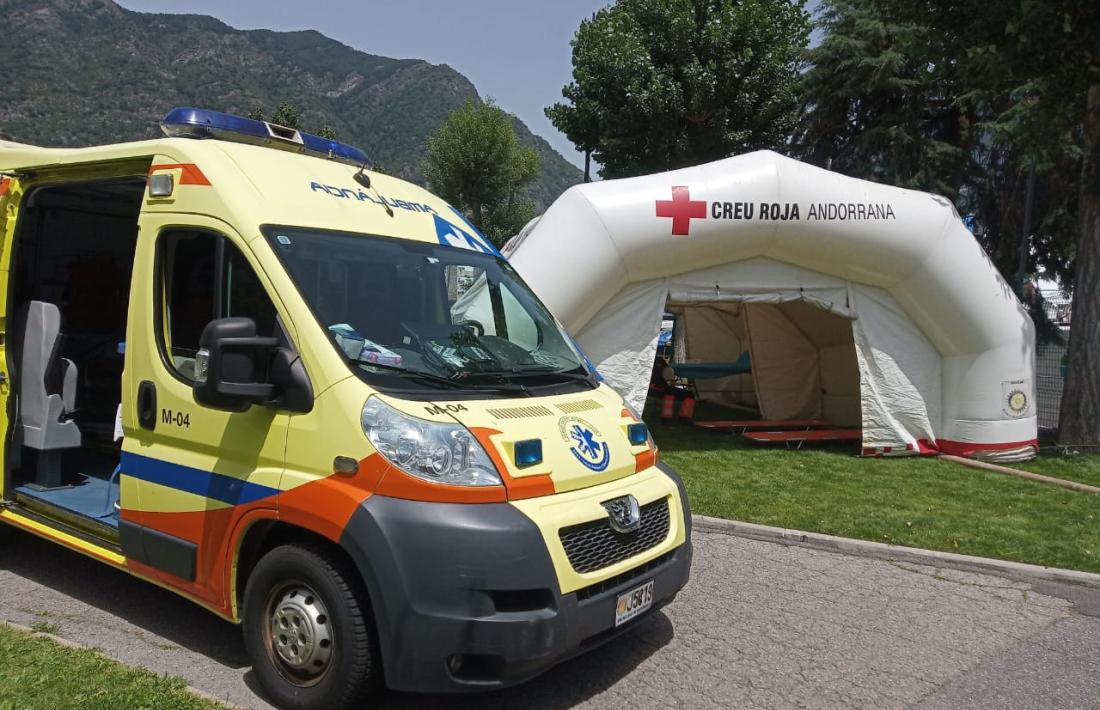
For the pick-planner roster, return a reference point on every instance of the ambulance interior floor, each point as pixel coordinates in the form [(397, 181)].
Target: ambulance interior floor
[(91, 488)]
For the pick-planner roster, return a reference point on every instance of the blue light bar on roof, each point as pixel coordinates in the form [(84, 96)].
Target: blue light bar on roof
[(201, 123)]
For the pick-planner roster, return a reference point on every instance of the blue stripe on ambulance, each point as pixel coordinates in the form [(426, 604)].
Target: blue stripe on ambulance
[(194, 480)]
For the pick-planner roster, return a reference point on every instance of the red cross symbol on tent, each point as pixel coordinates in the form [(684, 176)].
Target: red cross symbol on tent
[(681, 208)]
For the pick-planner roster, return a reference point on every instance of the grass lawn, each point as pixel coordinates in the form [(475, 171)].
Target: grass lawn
[(38, 673), (920, 502)]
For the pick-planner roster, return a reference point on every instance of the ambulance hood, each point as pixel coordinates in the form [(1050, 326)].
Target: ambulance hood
[(583, 435)]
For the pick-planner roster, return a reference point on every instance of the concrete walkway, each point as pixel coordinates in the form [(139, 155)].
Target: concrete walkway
[(761, 625)]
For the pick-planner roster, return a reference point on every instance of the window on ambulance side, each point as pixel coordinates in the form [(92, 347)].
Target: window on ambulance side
[(204, 277), (243, 294)]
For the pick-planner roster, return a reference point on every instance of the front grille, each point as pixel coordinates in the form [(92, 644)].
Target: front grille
[(594, 545), (592, 590)]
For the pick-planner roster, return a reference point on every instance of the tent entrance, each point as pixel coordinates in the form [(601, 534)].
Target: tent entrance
[(786, 360)]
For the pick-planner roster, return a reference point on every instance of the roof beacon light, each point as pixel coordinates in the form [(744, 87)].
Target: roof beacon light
[(201, 123)]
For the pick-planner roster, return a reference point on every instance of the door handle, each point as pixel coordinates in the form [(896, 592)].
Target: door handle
[(147, 405)]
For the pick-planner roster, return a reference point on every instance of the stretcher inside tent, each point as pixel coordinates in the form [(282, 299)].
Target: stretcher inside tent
[(798, 438), (743, 425)]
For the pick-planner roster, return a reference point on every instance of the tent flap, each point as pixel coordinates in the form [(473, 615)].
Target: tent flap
[(784, 365), (900, 374), (622, 339)]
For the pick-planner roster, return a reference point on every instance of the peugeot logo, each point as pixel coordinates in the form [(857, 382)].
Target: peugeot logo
[(623, 514)]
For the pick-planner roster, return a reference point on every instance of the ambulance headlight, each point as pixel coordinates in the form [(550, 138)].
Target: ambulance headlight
[(439, 453)]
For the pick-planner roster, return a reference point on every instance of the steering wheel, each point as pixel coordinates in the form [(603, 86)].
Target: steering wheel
[(476, 325)]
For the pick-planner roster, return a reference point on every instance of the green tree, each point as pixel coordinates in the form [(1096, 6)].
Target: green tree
[(476, 163), (1022, 74), (580, 122), (662, 84), (881, 101)]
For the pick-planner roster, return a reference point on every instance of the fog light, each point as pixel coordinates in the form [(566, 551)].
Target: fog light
[(637, 433), (528, 452)]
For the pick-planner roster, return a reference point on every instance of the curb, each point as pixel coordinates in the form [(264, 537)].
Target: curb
[(896, 553), (60, 641)]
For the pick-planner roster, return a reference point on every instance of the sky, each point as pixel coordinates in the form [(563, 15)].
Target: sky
[(515, 51)]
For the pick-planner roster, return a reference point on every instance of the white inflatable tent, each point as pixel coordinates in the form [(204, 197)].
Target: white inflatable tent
[(857, 303)]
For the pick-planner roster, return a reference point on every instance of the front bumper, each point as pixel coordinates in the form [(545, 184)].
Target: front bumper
[(466, 597)]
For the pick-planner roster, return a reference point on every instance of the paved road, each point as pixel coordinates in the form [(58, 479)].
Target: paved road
[(760, 626)]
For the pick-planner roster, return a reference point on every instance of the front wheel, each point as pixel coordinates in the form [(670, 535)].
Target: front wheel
[(308, 630)]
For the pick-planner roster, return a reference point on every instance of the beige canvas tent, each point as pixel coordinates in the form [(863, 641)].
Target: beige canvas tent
[(774, 341)]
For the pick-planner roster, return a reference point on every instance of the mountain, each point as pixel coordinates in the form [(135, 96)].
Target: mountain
[(82, 72)]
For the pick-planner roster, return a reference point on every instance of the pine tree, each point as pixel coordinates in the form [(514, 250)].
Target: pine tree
[(878, 102)]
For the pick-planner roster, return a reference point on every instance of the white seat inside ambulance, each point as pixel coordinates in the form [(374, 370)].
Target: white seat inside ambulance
[(47, 382)]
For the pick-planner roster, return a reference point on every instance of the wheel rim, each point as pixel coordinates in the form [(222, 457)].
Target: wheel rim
[(298, 633)]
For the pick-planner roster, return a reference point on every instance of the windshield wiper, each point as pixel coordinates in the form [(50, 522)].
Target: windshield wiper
[(540, 371), (501, 385), (413, 373), (462, 383)]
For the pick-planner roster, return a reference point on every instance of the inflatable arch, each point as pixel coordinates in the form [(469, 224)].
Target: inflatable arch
[(850, 301)]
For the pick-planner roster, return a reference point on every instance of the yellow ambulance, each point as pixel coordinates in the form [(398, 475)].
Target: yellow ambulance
[(317, 401)]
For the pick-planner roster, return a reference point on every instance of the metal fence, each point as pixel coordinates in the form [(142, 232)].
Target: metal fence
[(1049, 375), (1050, 362)]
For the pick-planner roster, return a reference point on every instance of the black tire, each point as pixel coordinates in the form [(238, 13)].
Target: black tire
[(352, 668)]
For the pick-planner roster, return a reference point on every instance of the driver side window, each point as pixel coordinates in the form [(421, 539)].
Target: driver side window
[(204, 276)]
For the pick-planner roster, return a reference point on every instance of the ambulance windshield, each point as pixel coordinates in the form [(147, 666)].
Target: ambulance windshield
[(412, 315)]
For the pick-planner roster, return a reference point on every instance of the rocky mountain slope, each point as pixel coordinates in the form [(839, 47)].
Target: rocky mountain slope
[(80, 72)]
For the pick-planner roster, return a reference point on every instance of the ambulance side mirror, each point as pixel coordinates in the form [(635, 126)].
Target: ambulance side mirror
[(231, 367)]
